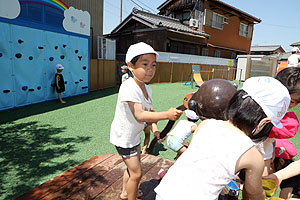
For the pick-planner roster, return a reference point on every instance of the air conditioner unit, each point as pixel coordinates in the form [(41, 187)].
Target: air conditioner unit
[(193, 23), (225, 20)]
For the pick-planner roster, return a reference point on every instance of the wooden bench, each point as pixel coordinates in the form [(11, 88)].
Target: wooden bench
[(100, 177)]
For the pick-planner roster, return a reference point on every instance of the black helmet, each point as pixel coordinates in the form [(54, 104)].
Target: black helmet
[(212, 98)]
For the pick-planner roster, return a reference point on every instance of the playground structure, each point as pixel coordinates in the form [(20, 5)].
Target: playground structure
[(196, 77), (32, 45)]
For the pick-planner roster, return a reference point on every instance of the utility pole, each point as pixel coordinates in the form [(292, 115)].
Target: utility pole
[(120, 11)]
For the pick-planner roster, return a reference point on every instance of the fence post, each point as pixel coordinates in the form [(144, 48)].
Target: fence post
[(228, 73), (171, 75)]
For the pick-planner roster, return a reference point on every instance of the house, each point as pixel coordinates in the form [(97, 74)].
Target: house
[(296, 44), (197, 27), (163, 33), (266, 50), (95, 9), (230, 29)]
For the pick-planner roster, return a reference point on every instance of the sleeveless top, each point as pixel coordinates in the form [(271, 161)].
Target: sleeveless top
[(207, 165)]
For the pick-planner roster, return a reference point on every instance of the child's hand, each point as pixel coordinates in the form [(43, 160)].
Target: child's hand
[(157, 134), (174, 114), (275, 178)]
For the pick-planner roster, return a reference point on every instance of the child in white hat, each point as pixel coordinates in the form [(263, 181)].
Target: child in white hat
[(220, 149), (293, 60), (59, 82), (182, 130), (133, 109)]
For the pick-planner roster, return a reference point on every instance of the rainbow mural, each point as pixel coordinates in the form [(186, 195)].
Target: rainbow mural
[(57, 4)]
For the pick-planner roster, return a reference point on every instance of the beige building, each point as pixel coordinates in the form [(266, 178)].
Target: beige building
[(95, 8)]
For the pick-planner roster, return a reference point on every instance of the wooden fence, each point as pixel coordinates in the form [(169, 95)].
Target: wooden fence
[(103, 73)]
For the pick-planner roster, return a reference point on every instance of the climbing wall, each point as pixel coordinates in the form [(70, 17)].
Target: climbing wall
[(28, 58), (6, 75)]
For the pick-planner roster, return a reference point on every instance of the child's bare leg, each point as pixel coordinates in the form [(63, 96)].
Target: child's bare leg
[(123, 194), (180, 151), (132, 176), (146, 140), (60, 99)]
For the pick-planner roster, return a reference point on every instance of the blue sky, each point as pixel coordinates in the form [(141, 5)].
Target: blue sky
[(280, 19)]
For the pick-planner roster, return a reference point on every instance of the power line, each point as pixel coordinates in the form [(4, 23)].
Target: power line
[(146, 6), (139, 5), (123, 10)]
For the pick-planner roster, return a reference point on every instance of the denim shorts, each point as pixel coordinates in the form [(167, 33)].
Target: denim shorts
[(174, 143), (127, 152)]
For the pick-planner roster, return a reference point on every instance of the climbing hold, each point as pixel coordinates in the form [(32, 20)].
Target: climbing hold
[(76, 82), (84, 67), (56, 47), (39, 87), (80, 57), (24, 88), (66, 82), (80, 80), (6, 91), (18, 55), (64, 45), (51, 58), (1, 55), (52, 85), (20, 41), (31, 90), (62, 57), (76, 51), (30, 57), (40, 47), (85, 87)]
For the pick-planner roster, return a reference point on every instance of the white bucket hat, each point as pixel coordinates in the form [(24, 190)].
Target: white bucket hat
[(139, 49), (59, 66), (295, 49), (191, 115), (271, 95)]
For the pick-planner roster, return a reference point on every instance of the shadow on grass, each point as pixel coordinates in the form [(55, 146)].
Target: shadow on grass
[(29, 152), (21, 112), (158, 147)]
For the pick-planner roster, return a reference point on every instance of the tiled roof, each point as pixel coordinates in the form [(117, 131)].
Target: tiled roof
[(265, 48), (157, 21), (296, 44), (168, 2)]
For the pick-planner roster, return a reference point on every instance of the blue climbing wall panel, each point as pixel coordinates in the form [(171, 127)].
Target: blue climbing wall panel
[(28, 58), (57, 51), (79, 77), (6, 75), (28, 62)]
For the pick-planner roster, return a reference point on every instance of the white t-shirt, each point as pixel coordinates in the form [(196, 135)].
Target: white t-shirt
[(125, 131), (293, 60), (207, 165), (182, 130)]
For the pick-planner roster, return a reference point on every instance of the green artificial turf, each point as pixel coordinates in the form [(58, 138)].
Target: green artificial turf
[(39, 142)]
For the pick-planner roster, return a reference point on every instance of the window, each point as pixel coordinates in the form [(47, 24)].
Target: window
[(53, 17), (204, 52), (217, 21), (243, 30), (217, 53), (31, 12)]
